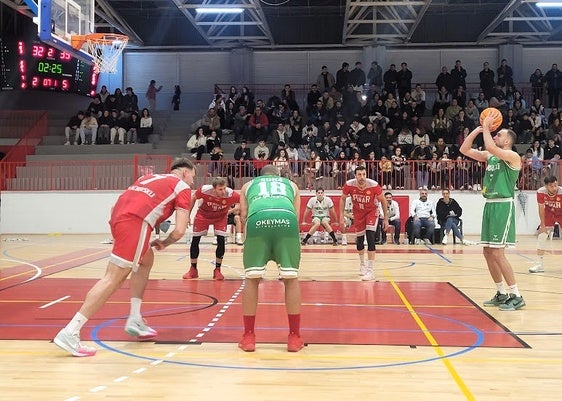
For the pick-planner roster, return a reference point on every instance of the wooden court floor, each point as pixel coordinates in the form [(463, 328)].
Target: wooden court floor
[(211, 370)]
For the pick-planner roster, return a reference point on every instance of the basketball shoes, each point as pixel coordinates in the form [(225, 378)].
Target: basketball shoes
[(138, 328), (192, 273), (248, 342), (71, 343), (294, 343), (217, 275)]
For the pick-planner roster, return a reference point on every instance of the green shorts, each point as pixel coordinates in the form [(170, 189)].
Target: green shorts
[(272, 235), (498, 224)]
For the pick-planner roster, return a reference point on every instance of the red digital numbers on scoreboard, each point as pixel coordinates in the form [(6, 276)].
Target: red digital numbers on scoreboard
[(38, 51), (64, 56)]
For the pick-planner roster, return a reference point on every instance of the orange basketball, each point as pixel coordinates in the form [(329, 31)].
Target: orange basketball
[(495, 113)]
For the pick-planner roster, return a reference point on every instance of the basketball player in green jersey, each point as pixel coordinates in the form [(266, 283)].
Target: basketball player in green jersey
[(269, 207), (498, 219)]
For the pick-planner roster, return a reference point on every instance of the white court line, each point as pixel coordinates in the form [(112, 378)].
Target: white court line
[(54, 302), (37, 268)]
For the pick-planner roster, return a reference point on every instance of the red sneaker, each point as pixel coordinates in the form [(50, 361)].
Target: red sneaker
[(294, 343), (192, 273), (217, 275), (248, 342)]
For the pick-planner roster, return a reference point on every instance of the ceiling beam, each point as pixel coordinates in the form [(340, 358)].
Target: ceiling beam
[(421, 13), (508, 9)]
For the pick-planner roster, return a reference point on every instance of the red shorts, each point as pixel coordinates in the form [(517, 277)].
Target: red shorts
[(365, 221), (131, 238), (201, 225)]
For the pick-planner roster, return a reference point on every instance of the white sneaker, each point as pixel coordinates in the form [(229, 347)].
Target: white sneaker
[(444, 240), (67, 143), (417, 241), (363, 269), (369, 275), (215, 241), (138, 328), (426, 241), (71, 343), (467, 242), (344, 240), (538, 268)]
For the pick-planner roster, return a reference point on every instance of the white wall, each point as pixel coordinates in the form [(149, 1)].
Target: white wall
[(88, 212)]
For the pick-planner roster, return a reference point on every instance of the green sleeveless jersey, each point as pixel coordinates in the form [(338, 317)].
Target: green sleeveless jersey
[(270, 192), (499, 179)]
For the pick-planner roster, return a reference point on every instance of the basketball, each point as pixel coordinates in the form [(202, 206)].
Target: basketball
[(495, 113)]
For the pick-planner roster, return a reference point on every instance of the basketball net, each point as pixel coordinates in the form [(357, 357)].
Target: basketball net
[(105, 48)]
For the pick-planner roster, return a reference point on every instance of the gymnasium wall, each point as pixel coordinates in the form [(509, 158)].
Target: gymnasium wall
[(88, 212)]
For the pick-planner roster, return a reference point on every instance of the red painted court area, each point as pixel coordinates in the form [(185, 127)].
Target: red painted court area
[(202, 311)]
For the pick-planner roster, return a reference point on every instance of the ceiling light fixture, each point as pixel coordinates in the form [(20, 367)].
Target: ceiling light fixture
[(219, 10), (549, 4)]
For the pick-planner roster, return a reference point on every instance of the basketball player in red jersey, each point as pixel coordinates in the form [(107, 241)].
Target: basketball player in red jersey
[(549, 200), (365, 197), (144, 205), (216, 200)]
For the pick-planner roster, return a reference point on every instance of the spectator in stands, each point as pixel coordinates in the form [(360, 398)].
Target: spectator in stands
[(88, 128), (459, 95), (73, 127), (459, 123), (339, 169), (96, 107), (510, 121), (505, 74), (117, 128), (119, 99), (553, 79), (537, 83), (481, 102), (312, 97), (554, 114), (312, 170), (103, 94), (259, 124), (459, 75), (217, 156), (293, 156), (419, 96), (440, 148), (342, 77), (176, 99), (213, 141), (325, 80), (552, 154), (398, 160), (421, 154), (240, 125), (145, 126), (282, 162), (242, 157), (441, 125), (150, 94), (487, 80), (423, 214), (357, 77), (419, 137), (132, 128), (374, 77), (536, 127), (471, 112), (405, 140), (281, 135), (442, 101), (261, 150), (112, 104), (525, 129), (212, 122), (445, 80), (197, 143), (393, 216), (404, 80), (105, 122), (555, 130), (453, 109), (303, 155), (390, 80), (130, 102)]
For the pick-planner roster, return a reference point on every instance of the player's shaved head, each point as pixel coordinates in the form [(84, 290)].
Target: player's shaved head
[(270, 169)]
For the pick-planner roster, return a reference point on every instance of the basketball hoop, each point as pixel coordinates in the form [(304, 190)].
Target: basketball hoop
[(105, 48)]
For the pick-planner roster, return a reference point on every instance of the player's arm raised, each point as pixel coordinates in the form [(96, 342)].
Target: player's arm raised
[(508, 155), (467, 150)]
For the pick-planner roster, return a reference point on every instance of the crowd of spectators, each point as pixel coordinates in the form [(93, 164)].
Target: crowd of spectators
[(110, 118), (381, 120)]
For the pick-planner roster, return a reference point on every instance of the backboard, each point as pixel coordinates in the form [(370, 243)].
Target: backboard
[(61, 19)]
